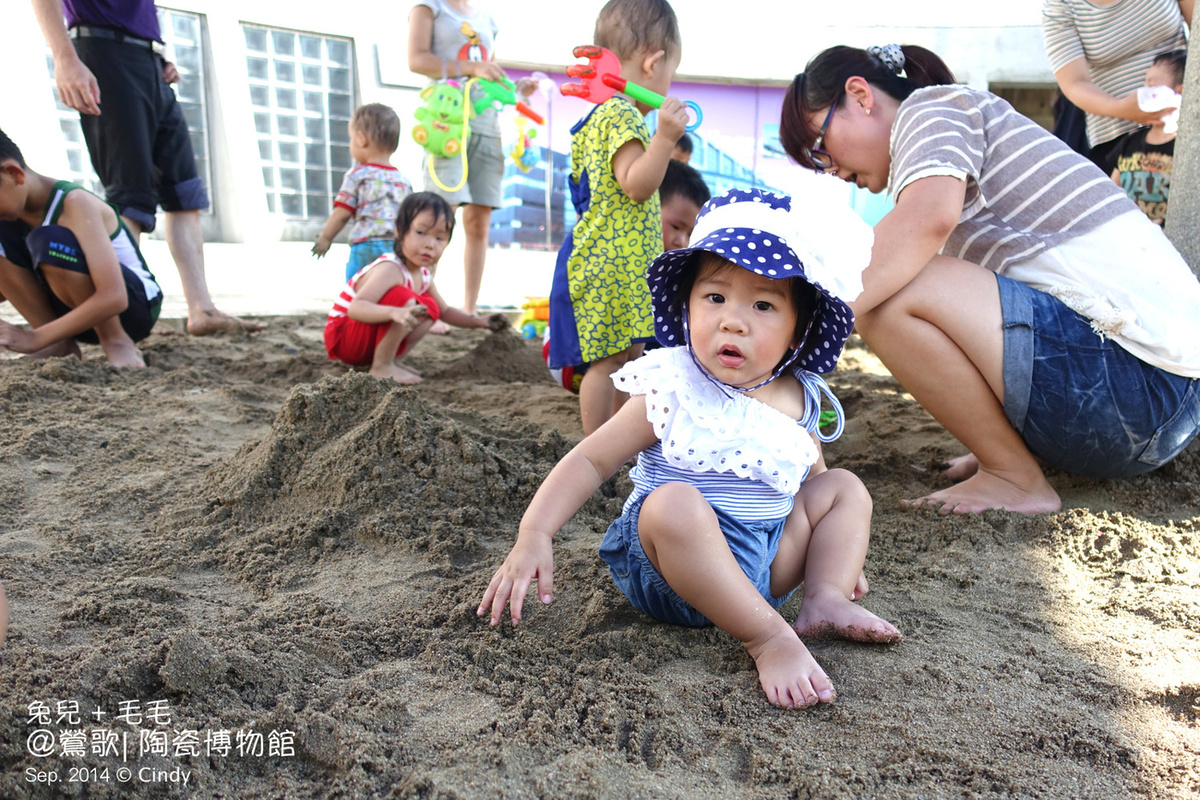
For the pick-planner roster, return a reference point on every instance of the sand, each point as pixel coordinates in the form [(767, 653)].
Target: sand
[(245, 538)]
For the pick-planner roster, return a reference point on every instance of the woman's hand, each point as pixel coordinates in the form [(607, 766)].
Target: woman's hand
[(532, 558), (488, 70), (1130, 110)]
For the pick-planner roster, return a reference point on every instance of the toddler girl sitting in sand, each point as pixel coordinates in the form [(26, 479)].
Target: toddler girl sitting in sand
[(390, 304), (732, 506)]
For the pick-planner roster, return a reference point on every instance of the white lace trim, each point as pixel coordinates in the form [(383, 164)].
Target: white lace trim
[(1106, 320), (703, 429)]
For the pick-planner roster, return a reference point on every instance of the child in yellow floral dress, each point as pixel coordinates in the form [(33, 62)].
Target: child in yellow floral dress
[(599, 300)]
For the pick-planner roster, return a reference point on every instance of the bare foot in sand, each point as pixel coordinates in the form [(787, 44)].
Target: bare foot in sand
[(64, 349), (214, 322), (961, 468), (122, 353), (397, 373), (983, 490), (789, 674), (440, 328), (829, 615), (861, 587), (406, 368)]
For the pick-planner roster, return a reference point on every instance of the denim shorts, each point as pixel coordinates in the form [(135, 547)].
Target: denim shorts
[(754, 545), (1081, 402), (366, 251)]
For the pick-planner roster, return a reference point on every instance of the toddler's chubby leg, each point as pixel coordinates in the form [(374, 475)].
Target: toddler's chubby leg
[(824, 546), (384, 364), (598, 398), (680, 534)]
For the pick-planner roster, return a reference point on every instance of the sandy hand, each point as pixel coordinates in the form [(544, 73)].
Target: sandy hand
[(497, 322), (531, 558)]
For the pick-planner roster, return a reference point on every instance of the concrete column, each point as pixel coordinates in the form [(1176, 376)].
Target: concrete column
[(1183, 213)]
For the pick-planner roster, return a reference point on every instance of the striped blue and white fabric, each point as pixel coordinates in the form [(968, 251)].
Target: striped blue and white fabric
[(747, 458)]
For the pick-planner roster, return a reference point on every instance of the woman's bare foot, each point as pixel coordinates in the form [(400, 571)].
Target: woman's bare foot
[(122, 353), (830, 615), (788, 673), (64, 349), (395, 372), (440, 328), (213, 322), (961, 468), (983, 491)]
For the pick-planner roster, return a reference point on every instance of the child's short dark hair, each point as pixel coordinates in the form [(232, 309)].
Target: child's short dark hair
[(412, 206), (630, 27), (379, 123), (9, 150), (1176, 61), (683, 179), (803, 293), (685, 143)]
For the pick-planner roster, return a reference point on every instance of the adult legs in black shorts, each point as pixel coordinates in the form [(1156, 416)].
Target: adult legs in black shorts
[(140, 149), (139, 143)]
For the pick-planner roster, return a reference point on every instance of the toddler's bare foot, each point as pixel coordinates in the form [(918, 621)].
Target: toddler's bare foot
[(861, 587), (961, 468), (406, 368), (213, 322), (984, 490), (122, 353), (829, 615), (789, 674), (64, 349), (397, 373), (440, 327)]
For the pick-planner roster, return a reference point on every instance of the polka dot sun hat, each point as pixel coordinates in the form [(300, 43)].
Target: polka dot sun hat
[(821, 242)]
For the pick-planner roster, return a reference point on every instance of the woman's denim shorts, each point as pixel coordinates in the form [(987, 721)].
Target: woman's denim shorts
[(754, 545), (1081, 402)]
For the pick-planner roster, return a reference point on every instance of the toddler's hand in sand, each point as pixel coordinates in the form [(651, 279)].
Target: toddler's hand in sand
[(409, 314), (497, 322), (532, 558)]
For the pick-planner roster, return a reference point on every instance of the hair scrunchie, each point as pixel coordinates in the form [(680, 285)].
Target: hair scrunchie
[(891, 56)]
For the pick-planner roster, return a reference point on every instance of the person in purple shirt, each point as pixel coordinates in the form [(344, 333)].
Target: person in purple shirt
[(108, 51)]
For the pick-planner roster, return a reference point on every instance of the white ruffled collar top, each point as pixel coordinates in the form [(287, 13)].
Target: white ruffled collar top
[(704, 429)]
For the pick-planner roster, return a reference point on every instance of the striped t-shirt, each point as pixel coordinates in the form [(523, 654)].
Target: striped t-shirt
[(1026, 190), (1119, 41)]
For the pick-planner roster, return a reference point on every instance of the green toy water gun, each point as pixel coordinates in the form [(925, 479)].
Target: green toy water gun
[(504, 93)]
